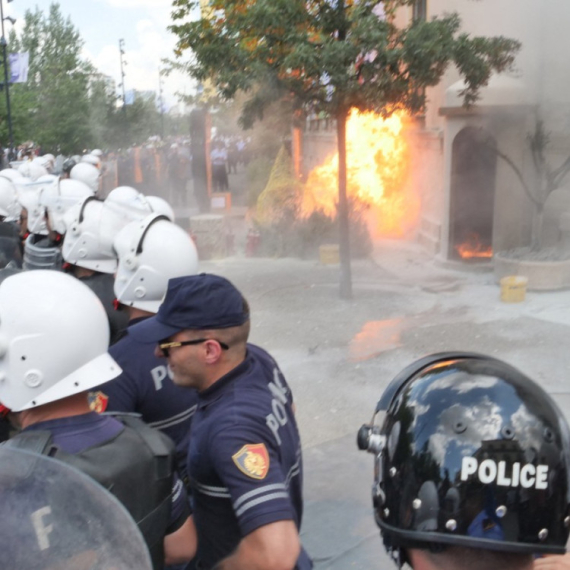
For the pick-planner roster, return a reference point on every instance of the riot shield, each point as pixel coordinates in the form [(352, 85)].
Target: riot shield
[(54, 517)]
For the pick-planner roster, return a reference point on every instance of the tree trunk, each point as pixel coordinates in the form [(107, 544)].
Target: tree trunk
[(343, 226), (536, 234)]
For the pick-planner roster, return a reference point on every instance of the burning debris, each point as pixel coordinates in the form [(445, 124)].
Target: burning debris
[(473, 248)]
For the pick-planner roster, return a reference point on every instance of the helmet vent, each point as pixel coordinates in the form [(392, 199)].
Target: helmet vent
[(459, 427), (548, 435), (507, 432)]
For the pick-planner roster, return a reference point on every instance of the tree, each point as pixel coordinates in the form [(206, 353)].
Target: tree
[(548, 178), (332, 55), (52, 107)]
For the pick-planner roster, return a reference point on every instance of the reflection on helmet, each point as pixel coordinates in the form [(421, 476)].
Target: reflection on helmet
[(151, 252), (54, 516), (470, 453)]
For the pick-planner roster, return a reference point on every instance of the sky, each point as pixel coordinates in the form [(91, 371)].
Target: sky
[(140, 23)]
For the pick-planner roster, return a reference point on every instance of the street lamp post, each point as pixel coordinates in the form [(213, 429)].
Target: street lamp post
[(6, 80)]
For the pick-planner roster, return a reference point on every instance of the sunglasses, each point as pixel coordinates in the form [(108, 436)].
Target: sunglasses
[(165, 347)]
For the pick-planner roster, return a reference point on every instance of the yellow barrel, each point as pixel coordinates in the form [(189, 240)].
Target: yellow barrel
[(328, 254), (513, 288)]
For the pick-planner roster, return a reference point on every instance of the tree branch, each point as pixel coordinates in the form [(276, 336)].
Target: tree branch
[(519, 175)]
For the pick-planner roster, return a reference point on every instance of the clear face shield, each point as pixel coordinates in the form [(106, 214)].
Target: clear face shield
[(54, 516)]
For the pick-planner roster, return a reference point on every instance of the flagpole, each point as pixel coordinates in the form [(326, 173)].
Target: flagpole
[(6, 83)]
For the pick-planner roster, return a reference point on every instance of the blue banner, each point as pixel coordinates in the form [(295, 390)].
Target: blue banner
[(19, 67)]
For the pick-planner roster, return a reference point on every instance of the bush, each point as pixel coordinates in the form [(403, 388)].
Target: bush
[(258, 172)]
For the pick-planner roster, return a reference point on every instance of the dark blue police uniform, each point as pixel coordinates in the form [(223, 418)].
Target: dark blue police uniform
[(244, 458), (145, 387)]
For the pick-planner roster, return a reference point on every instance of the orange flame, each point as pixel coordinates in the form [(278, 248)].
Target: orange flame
[(378, 160), (472, 248)]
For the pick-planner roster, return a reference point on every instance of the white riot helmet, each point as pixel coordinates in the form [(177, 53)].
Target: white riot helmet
[(127, 197), (91, 230), (52, 345), (97, 152), (32, 170), (151, 252), (10, 208), (86, 173), (29, 197), (10, 174), (60, 198), (91, 159), (44, 161), (161, 206)]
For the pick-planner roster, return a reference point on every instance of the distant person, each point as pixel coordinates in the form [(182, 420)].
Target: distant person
[(233, 158), (219, 158), (178, 173)]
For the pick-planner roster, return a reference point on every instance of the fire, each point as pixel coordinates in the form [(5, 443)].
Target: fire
[(472, 248), (377, 172)]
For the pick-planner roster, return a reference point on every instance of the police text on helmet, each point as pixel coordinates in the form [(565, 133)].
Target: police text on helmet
[(519, 475)]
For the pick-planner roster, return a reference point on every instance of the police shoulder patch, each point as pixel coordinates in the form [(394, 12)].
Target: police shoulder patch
[(253, 460), (98, 401)]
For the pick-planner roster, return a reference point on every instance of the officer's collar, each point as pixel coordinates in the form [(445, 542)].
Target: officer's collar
[(216, 390), (138, 320)]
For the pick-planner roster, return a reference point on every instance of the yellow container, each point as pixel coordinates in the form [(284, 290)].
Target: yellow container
[(328, 254), (513, 288)]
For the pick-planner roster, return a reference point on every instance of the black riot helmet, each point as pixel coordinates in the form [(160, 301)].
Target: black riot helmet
[(470, 453), (68, 164)]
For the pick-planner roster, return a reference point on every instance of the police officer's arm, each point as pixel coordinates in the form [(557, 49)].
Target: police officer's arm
[(180, 546), (248, 463), (181, 540), (553, 563), (275, 546)]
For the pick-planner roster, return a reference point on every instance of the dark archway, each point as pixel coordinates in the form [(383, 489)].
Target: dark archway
[(472, 199)]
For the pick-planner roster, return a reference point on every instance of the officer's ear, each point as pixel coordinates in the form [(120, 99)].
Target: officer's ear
[(213, 351)]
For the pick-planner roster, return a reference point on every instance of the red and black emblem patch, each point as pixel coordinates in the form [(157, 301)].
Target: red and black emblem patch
[(253, 460)]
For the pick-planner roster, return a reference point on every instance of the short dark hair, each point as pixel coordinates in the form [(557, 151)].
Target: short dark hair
[(462, 558)]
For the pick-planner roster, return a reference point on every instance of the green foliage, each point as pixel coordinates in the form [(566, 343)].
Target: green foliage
[(303, 237), (285, 233), (66, 104), (278, 204), (258, 172), (331, 56)]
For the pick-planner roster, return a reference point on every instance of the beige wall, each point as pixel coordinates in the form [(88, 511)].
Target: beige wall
[(540, 82)]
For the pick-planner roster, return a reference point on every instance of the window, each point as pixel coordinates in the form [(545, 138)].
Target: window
[(420, 10)]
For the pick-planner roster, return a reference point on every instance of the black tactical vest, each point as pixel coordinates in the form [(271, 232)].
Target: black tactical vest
[(136, 466)]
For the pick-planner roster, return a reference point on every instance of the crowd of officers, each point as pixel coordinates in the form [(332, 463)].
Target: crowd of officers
[(114, 345), (118, 358)]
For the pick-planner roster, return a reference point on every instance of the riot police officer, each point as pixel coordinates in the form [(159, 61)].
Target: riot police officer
[(244, 458), (150, 252), (471, 466), (53, 349)]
